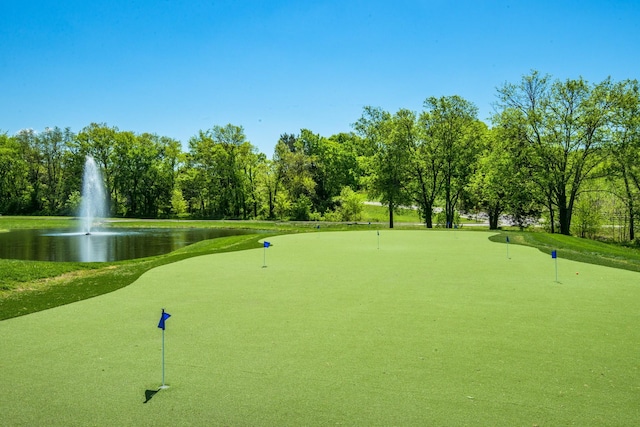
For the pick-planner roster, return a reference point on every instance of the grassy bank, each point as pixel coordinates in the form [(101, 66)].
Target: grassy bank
[(30, 286), (577, 249)]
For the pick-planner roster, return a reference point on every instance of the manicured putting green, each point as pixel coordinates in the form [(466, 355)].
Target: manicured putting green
[(433, 328)]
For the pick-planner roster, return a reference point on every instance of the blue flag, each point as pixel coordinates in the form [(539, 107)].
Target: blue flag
[(507, 239), (554, 254), (267, 244), (163, 318)]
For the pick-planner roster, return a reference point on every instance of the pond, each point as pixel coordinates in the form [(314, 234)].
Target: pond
[(113, 244)]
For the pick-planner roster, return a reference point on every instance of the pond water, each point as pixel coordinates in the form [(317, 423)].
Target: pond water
[(113, 244)]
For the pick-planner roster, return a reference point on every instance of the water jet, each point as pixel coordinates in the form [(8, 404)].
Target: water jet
[(93, 204)]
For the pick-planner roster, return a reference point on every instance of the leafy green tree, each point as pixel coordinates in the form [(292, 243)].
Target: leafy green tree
[(566, 125), (137, 178), (426, 167), (234, 186), (53, 143), (390, 173), (350, 205), (452, 122), (588, 213), (203, 181), (624, 163), (501, 184), (32, 155), (224, 164), (13, 176), (170, 160), (282, 205), (294, 165)]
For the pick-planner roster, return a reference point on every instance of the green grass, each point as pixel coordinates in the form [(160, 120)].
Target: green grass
[(30, 286), (433, 328), (27, 222), (374, 213), (577, 249)]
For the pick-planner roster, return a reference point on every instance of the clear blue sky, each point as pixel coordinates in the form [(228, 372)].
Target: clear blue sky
[(175, 67)]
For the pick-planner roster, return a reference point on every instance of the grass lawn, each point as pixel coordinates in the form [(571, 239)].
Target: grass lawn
[(433, 328)]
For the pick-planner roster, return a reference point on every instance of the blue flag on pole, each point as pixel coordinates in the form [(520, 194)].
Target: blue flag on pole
[(267, 244), (554, 254), (507, 239), (163, 318)]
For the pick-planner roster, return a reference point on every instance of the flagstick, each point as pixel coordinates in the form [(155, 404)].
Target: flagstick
[(264, 257), (556, 258), (163, 384), (163, 318), (378, 239)]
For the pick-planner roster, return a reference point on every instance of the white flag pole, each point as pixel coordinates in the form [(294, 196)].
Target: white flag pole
[(163, 317), (163, 384)]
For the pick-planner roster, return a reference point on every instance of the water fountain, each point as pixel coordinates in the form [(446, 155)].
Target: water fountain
[(93, 204), (89, 244)]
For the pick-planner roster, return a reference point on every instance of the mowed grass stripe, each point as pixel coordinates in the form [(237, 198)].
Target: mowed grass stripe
[(434, 328)]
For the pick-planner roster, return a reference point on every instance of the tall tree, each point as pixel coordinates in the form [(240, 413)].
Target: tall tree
[(501, 182), (31, 153), (390, 173), (624, 164), (427, 161), (452, 121), (13, 176), (221, 159), (566, 123), (295, 186), (53, 143)]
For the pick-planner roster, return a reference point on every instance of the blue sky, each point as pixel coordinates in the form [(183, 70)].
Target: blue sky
[(176, 67)]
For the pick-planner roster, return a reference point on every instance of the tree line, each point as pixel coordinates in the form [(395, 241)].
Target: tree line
[(561, 150)]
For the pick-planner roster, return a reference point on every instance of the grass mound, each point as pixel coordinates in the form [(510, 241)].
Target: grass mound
[(577, 249)]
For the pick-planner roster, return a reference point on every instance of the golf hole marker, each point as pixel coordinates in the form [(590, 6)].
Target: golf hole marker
[(264, 256), (163, 318)]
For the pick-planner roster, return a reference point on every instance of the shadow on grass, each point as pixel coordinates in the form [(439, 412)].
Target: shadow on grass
[(148, 394)]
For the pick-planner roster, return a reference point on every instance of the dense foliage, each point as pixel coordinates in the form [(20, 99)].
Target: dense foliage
[(564, 151)]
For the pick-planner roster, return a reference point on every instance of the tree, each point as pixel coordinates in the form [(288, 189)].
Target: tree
[(223, 180), (624, 164), (452, 126), (349, 205), (293, 173), (565, 124), (390, 173), (32, 155), (501, 183), (53, 143), (13, 176), (171, 159)]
